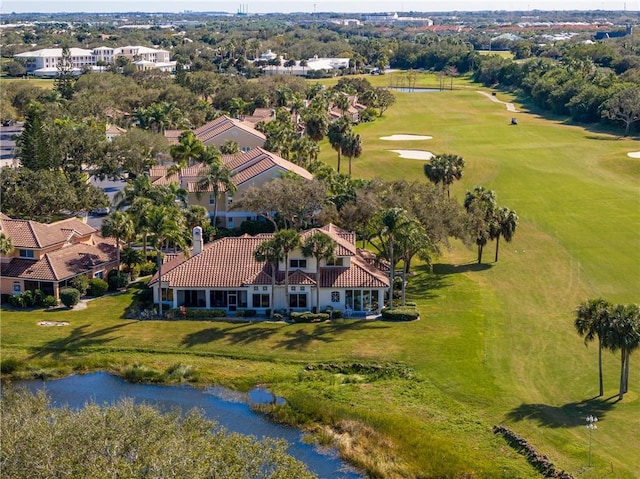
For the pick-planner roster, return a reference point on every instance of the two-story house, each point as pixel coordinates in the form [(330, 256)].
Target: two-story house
[(253, 168), (47, 256), (224, 274)]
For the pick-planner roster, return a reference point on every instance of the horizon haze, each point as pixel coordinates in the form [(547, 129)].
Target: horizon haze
[(287, 6)]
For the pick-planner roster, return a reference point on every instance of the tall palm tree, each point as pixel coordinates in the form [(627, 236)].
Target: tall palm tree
[(270, 252), (392, 220), (166, 224), (336, 131), (6, 246), (507, 221), (624, 334), (351, 147), (120, 226), (286, 241), (321, 247), (481, 205), (593, 321), (217, 177)]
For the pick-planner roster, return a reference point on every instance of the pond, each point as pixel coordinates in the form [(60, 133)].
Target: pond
[(228, 408)]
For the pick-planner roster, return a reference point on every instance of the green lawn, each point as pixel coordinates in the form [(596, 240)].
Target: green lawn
[(495, 344)]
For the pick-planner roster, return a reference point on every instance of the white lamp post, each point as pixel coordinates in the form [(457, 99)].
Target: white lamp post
[(591, 425)]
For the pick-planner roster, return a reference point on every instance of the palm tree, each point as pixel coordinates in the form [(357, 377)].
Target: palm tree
[(120, 226), (592, 320), (130, 258), (321, 247), (6, 246), (139, 188), (336, 131), (270, 252), (507, 221), (624, 334), (392, 220), (217, 176), (166, 224), (187, 150), (351, 147), (286, 241), (444, 169), (481, 205)]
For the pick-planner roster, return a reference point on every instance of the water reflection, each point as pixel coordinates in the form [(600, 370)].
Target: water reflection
[(228, 408)]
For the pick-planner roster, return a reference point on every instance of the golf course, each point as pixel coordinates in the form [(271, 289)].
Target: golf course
[(496, 342)]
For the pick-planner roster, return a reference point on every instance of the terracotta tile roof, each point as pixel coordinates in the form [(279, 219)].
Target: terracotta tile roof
[(31, 234), (61, 264), (244, 167), (222, 124), (79, 227), (229, 263), (173, 136)]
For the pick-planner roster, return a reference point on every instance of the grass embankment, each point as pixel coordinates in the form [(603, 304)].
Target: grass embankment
[(496, 342)]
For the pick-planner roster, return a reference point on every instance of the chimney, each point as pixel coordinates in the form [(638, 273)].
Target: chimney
[(197, 240)]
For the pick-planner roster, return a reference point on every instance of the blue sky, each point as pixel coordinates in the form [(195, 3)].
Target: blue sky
[(264, 6)]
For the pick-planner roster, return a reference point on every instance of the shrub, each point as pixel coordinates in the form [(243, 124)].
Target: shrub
[(49, 302), (9, 365), (148, 268), (308, 317), (246, 313), (69, 297), (17, 301), (81, 283), (27, 299), (97, 287), (117, 280), (402, 313), (180, 372), (139, 373), (333, 313)]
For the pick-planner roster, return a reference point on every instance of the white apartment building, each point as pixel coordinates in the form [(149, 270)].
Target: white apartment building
[(45, 62)]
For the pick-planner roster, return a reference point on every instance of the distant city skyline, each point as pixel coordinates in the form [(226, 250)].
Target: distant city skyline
[(285, 6)]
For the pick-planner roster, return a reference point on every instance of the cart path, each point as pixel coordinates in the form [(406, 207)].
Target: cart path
[(491, 97)]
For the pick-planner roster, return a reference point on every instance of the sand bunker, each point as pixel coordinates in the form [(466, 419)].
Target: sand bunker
[(406, 137), (414, 154), (634, 154), (53, 323)]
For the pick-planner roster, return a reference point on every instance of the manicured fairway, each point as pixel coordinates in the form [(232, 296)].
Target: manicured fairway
[(495, 344)]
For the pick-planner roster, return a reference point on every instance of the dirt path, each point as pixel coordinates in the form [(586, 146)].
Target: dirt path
[(491, 97)]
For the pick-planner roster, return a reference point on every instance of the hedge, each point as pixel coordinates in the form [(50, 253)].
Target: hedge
[(196, 314), (401, 313), (246, 313)]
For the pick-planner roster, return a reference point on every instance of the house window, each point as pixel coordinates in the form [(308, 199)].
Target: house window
[(298, 301), (26, 253), (301, 288), (335, 262), (260, 300), (99, 274), (16, 287), (167, 295), (298, 263), (335, 296), (212, 198), (230, 199), (246, 148)]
